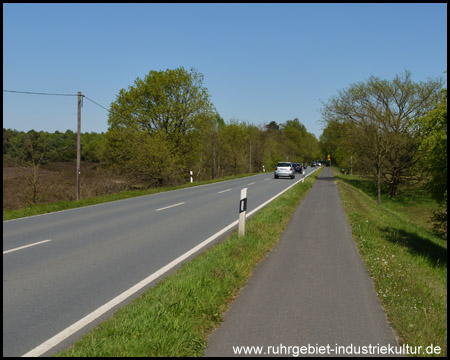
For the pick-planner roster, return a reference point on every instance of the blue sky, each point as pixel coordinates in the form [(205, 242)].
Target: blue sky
[(260, 62)]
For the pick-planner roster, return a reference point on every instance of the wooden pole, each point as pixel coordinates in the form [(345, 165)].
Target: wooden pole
[(212, 155), (79, 145)]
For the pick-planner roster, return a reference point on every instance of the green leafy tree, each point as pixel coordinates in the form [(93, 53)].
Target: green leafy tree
[(433, 157), (92, 147), (273, 126), (335, 141), (433, 147), (273, 141), (7, 135), (234, 146), (293, 137), (168, 107), (298, 145)]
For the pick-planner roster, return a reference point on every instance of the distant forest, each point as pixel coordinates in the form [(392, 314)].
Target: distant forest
[(236, 147), (32, 146)]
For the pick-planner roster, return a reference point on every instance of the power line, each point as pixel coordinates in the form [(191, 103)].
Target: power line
[(110, 111), (95, 103), (52, 94), (38, 93)]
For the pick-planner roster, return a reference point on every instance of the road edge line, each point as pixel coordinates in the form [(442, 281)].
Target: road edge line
[(75, 327)]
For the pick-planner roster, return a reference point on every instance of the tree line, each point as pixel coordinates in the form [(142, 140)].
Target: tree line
[(164, 126), (43, 147), (232, 148)]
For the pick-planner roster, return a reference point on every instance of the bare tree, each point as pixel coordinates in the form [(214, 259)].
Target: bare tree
[(35, 150), (382, 113)]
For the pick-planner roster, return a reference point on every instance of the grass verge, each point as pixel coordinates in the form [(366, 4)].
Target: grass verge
[(406, 261), (65, 205), (175, 317)]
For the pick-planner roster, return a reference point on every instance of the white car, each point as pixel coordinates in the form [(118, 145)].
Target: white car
[(284, 169)]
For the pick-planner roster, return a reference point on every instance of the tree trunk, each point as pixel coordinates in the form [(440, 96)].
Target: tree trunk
[(397, 175), (394, 185), (378, 185)]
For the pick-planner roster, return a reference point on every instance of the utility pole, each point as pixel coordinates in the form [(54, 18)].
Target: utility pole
[(250, 156), (212, 155), (79, 145)]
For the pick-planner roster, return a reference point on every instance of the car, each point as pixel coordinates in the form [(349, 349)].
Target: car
[(284, 169), (297, 167), (313, 164)]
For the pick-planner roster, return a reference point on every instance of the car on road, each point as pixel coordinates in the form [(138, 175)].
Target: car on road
[(297, 167), (284, 169), (313, 164)]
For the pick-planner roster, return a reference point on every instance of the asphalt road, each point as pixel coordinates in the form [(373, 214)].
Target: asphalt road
[(80, 259), (312, 291)]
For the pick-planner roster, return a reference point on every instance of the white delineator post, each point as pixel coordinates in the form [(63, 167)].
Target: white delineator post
[(191, 177), (242, 212)]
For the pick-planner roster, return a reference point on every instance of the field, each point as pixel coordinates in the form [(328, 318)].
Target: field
[(51, 188), (55, 182)]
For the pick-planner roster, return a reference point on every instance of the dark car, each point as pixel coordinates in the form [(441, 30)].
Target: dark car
[(297, 167)]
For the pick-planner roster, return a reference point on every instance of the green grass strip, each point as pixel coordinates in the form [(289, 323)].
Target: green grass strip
[(406, 261), (175, 317)]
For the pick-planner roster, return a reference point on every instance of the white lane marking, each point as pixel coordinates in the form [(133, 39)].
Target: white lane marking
[(221, 192), (171, 206), (251, 184), (58, 338), (266, 179), (110, 202), (25, 246), (55, 340)]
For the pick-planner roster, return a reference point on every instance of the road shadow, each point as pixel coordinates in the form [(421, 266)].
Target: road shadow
[(418, 246), (326, 175), (326, 178)]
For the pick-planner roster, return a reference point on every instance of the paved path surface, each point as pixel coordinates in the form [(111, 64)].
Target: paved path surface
[(312, 291)]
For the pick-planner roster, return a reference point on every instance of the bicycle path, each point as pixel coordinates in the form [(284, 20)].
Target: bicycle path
[(313, 290)]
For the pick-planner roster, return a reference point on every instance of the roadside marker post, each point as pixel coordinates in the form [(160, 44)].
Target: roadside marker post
[(191, 177), (242, 211)]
